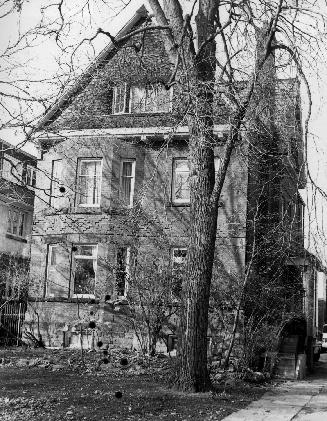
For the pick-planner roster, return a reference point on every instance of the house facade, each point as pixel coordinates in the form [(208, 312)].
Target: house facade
[(114, 194), (17, 182)]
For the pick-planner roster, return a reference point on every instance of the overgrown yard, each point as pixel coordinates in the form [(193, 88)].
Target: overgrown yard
[(54, 385)]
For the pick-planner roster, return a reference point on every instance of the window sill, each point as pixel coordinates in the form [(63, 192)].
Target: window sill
[(15, 237)]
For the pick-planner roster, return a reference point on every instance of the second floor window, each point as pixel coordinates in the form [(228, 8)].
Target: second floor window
[(127, 181), (29, 176), (180, 179), (89, 182), (16, 223), (181, 187)]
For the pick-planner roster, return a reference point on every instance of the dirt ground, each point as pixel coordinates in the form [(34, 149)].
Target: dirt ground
[(48, 385)]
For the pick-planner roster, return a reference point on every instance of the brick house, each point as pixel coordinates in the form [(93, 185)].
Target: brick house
[(113, 176), (17, 181)]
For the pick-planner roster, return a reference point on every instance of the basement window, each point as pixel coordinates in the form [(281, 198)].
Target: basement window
[(84, 270)]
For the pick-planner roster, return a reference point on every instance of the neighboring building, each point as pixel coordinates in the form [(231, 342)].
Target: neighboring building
[(17, 181), (113, 186)]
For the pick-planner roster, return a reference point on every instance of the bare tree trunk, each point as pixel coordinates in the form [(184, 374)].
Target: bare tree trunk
[(193, 373)]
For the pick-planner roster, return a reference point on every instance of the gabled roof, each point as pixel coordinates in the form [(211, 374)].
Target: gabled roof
[(136, 13)]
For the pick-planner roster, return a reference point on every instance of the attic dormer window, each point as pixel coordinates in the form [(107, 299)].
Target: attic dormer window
[(151, 98), (119, 99)]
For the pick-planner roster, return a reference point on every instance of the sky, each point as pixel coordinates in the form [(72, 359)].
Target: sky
[(46, 60)]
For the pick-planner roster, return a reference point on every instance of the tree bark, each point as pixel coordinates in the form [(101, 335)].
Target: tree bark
[(193, 374)]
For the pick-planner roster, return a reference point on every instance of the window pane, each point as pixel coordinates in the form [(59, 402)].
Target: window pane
[(14, 222), (53, 255), (9, 229), (127, 182), (21, 224), (89, 182), (127, 168), (86, 250), (121, 271), (126, 190), (217, 164), (179, 257), (84, 276), (33, 178), (149, 98), (119, 99), (181, 186)]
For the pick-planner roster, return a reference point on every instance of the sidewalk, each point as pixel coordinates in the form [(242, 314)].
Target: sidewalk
[(297, 401)]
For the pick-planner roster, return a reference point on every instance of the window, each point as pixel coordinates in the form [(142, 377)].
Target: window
[(127, 179), (119, 99), (16, 223), (53, 256), (52, 269), (179, 255), (84, 269), (299, 215), (122, 270), (152, 98), (89, 182), (29, 176), (179, 258), (181, 188), (217, 163)]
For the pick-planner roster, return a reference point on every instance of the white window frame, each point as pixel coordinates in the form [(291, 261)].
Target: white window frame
[(174, 199), (79, 163), (127, 270), (144, 89), (114, 99), (22, 216), (132, 177), (94, 257)]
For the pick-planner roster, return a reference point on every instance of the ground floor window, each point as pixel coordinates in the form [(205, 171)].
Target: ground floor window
[(84, 269), (122, 270), (16, 223)]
